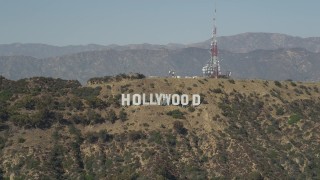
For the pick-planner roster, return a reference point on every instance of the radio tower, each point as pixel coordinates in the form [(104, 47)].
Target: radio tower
[(212, 68)]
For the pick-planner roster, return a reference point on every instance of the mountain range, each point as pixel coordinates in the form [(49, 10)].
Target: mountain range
[(249, 55)]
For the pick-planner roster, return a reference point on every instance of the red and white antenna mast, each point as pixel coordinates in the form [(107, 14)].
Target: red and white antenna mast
[(212, 68)]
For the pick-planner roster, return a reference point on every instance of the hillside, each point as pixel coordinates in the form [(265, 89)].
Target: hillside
[(249, 129)]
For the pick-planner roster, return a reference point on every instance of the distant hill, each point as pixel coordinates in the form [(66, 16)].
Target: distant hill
[(280, 64), (249, 55), (247, 42), (241, 43), (43, 50)]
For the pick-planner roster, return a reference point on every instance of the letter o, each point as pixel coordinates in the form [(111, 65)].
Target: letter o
[(184, 100), (136, 99), (175, 99)]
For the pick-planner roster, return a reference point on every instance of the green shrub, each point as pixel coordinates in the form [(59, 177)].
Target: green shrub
[(94, 103), (123, 116), (277, 83), (217, 91), (21, 140), (136, 135), (294, 119), (104, 136), (177, 114), (111, 116), (232, 81), (76, 103), (77, 119), (55, 135), (94, 118), (191, 109), (171, 139), (19, 119), (87, 92), (92, 137), (2, 142), (280, 111), (179, 128), (293, 84), (4, 127), (5, 95), (4, 115), (156, 137)]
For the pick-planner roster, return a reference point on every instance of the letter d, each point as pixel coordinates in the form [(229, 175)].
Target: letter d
[(196, 100)]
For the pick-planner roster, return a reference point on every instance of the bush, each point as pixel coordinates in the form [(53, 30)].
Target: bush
[(277, 83), (76, 103), (232, 81), (19, 119), (171, 139), (217, 91), (123, 115), (4, 127), (94, 103), (179, 128), (104, 136), (5, 95), (177, 114), (191, 109), (111, 116), (29, 103), (92, 138), (87, 92), (43, 119), (155, 136), (21, 140), (4, 115), (136, 135), (280, 111), (294, 119), (77, 119), (2, 142), (293, 84), (94, 118)]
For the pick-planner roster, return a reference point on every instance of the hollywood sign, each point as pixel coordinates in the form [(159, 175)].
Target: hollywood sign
[(160, 99)]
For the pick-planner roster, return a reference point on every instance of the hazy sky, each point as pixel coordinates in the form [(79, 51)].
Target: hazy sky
[(74, 22)]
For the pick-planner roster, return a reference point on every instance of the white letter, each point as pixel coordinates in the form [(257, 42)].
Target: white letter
[(184, 100), (144, 100), (196, 100), (125, 99), (175, 99), (159, 97), (136, 100), (151, 100), (168, 99)]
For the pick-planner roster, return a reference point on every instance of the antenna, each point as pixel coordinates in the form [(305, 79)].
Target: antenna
[(212, 69)]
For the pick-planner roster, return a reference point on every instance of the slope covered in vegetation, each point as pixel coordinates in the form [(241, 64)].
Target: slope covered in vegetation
[(58, 129)]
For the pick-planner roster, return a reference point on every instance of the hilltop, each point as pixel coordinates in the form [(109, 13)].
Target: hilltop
[(250, 129)]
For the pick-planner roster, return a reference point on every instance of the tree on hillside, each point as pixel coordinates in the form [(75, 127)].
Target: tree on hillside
[(123, 115), (111, 116), (178, 126)]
